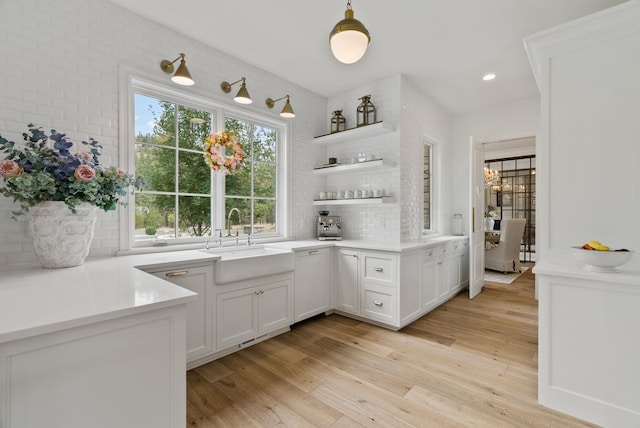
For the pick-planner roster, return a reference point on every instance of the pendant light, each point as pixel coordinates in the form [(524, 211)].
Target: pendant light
[(349, 38)]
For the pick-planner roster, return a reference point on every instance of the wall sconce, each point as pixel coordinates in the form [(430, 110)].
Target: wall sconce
[(349, 38), (287, 110), (182, 75), (242, 96)]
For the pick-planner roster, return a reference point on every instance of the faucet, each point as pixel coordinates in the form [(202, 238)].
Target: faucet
[(229, 219), (219, 233)]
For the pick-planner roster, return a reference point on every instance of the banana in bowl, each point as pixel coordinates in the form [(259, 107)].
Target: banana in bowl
[(598, 257)]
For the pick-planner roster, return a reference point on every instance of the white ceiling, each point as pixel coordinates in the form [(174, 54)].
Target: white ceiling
[(443, 46)]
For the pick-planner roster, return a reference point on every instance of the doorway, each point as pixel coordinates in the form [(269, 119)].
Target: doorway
[(513, 195)]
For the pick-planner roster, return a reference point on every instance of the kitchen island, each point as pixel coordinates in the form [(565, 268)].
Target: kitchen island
[(99, 345)]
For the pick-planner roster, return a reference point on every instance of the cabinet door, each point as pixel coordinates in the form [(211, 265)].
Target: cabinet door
[(454, 274), (347, 278), (236, 317), (275, 306), (199, 314), (429, 284), (442, 276), (311, 286), (464, 268)]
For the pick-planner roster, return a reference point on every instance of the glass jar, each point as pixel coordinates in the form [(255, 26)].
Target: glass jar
[(457, 228)]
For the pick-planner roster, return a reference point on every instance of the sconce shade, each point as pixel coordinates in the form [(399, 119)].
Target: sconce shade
[(242, 96), (182, 75), (349, 38), (287, 110)]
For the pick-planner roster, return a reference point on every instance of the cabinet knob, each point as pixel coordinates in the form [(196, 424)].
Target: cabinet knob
[(378, 269), (177, 273), (258, 292), (379, 304)]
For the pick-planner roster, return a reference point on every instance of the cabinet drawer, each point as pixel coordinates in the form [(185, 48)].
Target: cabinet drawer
[(378, 303), (429, 254), (379, 268)]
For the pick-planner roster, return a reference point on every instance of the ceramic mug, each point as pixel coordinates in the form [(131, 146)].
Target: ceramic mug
[(348, 194), (341, 194), (366, 193), (376, 193), (323, 195), (357, 194)]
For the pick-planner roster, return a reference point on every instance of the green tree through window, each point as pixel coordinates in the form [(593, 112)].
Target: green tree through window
[(176, 198)]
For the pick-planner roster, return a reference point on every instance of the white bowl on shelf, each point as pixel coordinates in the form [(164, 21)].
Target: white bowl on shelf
[(601, 261)]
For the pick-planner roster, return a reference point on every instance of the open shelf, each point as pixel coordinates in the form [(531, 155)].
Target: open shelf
[(356, 166), (360, 201), (352, 134)]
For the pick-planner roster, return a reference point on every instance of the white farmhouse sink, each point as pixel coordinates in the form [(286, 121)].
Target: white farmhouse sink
[(240, 263)]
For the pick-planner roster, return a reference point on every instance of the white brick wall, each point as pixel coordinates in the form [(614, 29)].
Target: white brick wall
[(61, 62)]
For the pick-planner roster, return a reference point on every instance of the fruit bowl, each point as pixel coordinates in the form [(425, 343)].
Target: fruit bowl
[(601, 261)]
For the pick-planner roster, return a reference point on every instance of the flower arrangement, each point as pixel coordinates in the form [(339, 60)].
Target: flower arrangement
[(217, 146), (38, 172), (490, 214)]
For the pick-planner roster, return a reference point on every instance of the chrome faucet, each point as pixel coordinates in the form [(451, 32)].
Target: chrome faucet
[(229, 219), (219, 233)]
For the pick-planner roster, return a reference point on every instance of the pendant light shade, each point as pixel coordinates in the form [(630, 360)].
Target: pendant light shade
[(182, 75), (349, 38)]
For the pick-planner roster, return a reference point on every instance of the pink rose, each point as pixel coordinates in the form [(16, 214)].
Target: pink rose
[(84, 173), (10, 169), (85, 156)]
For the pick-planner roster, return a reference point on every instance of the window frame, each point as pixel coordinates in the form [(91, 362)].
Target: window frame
[(434, 180), (132, 83)]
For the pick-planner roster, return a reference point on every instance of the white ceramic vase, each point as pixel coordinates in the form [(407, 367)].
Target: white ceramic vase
[(488, 223), (60, 237)]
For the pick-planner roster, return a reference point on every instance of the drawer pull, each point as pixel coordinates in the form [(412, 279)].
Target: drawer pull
[(259, 292), (313, 251), (375, 302), (378, 269), (430, 253), (177, 273)]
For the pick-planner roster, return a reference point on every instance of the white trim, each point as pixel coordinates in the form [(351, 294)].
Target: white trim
[(131, 82)]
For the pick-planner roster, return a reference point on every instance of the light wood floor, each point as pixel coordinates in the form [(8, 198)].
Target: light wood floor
[(467, 363)]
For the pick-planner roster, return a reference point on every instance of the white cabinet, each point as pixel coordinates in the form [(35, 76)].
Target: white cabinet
[(198, 279), (312, 292), (378, 286), (347, 280), (246, 314), (429, 282)]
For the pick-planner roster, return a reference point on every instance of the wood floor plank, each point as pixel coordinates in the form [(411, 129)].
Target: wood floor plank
[(466, 363)]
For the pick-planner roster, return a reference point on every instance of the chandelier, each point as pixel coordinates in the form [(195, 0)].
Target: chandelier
[(491, 177)]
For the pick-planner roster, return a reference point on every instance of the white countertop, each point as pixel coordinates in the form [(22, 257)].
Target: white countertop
[(37, 301)]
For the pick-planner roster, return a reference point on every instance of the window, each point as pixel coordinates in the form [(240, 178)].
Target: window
[(173, 199), (427, 175), (178, 198), (251, 193)]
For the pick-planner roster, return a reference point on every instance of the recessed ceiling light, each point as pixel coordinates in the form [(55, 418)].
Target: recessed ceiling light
[(489, 76)]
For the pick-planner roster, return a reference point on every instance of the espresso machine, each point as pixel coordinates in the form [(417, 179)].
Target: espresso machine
[(329, 227)]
